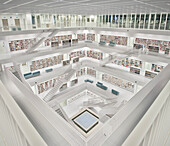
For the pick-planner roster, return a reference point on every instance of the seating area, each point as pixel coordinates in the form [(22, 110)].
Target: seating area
[(100, 85), (112, 44), (115, 92), (48, 70), (30, 75), (102, 42), (88, 80)]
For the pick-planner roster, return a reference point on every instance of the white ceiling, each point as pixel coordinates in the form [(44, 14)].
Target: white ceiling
[(84, 7)]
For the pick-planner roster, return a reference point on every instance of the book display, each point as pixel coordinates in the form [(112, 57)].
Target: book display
[(150, 74), (118, 82), (44, 86), (134, 70), (91, 72), (47, 42), (66, 43), (58, 39), (167, 50), (156, 68), (90, 37), (128, 62), (81, 72), (119, 40), (76, 60), (54, 44), (159, 44), (138, 46), (81, 37), (66, 62), (79, 54), (46, 62), (153, 49), (17, 45), (95, 54), (74, 41)]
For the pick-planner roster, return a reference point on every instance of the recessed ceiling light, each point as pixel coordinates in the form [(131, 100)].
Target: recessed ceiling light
[(7, 2)]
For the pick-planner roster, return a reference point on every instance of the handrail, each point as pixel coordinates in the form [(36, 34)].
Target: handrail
[(140, 131), (24, 125)]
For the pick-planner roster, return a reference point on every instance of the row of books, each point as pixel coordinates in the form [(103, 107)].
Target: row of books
[(119, 40), (47, 42), (79, 54), (86, 71), (21, 44), (95, 54), (90, 37), (81, 72), (150, 42), (81, 37), (157, 68), (118, 82), (45, 86), (91, 72), (150, 74), (46, 62), (127, 62)]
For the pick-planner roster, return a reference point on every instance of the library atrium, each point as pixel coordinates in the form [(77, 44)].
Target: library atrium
[(84, 73)]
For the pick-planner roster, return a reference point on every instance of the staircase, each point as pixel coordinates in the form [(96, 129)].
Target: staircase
[(53, 91), (17, 75), (108, 59), (60, 113), (44, 37)]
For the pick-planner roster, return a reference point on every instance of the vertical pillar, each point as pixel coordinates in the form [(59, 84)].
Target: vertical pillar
[(28, 21)]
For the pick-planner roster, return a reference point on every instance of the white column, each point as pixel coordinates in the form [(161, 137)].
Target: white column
[(28, 21)]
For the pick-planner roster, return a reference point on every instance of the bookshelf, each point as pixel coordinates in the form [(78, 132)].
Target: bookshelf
[(81, 37), (150, 74), (153, 44), (118, 40), (46, 85), (79, 54), (81, 72), (46, 62), (90, 37), (17, 45), (118, 82), (95, 54), (134, 70)]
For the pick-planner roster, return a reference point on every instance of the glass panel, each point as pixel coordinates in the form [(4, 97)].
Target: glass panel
[(113, 20), (137, 20), (142, 20), (133, 21), (101, 19), (157, 21), (107, 19), (129, 21), (168, 23), (120, 21), (33, 19), (163, 21), (146, 21), (117, 20), (124, 21), (152, 21), (104, 19)]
